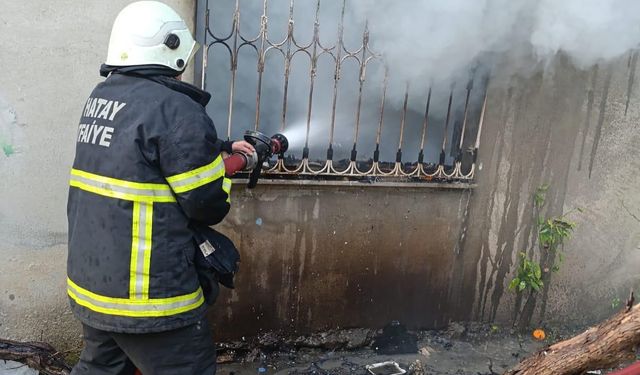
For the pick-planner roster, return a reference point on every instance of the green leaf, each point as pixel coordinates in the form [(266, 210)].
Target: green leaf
[(522, 286), (537, 271), (514, 283)]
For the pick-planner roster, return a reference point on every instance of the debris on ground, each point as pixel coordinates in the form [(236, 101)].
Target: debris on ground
[(395, 339), (385, 368), (462, 349), (34, 355)]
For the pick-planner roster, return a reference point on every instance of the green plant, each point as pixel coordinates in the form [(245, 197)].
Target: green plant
[(529, 275), (615, 303), (551, 232), (540, 195)]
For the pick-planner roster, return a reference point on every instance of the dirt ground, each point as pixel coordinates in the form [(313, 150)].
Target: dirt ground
[(462, 349), (473, 350)]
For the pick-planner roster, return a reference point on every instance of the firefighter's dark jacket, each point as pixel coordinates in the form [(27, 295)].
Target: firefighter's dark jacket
[(147, 164)]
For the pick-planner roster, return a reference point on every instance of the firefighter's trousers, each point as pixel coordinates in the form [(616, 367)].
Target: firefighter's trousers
[(185, 351)]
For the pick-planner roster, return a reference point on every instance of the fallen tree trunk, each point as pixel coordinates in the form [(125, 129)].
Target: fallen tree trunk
[(37, 355), (607, 345)]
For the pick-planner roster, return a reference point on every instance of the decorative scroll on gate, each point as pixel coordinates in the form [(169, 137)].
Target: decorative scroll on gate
[(459, 126)]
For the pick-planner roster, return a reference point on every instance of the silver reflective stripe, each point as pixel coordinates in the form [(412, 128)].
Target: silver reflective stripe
[(122, 189), (140, 248), (147, 306), (208, 175)]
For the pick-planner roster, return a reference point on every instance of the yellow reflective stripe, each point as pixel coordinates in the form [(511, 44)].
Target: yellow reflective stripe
[(135, 308), (226, 186), (193, 179), (141, 233), (127, 301), (117, 182), (150, 313), (146, 264), (135, 243), (120, 189)]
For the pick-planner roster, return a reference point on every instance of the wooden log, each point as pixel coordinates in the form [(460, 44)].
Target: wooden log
[(37, 355), (606, 345)]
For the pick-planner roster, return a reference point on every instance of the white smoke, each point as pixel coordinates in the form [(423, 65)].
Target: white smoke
[(429, 43), (443, 39)]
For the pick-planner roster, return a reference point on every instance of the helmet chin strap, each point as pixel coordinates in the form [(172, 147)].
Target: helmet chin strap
[(146, 70)]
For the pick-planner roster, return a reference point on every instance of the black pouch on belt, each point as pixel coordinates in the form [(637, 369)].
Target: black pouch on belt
[(216, 261)]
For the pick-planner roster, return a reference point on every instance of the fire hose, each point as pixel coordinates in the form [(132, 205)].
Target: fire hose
[(265, 148)]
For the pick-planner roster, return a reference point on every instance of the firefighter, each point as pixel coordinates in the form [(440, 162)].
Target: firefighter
[(148, 165)]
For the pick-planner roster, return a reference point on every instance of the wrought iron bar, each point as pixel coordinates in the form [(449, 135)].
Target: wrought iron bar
[(425, 125), (339, 53)]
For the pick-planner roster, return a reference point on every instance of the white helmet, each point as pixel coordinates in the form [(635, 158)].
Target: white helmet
[(150, 33)]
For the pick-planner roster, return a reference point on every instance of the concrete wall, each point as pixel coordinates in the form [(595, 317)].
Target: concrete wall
[(51, 53), (363, 256), (322, 257)]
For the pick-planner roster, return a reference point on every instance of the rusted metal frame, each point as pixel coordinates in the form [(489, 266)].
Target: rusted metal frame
[(362, 78), (257, 37), (352, 168), (266, 45), (341, 47), (216, 40), (336, 80), (293, 37), (233, 54), (261, 58), (457, 171), (423, 137), (327, 165), (398, 170), (287, 56), (440, 171), (376, 152), (300, 168), (471, 174), (363, 61), (234, 65), (287, 67), (312, 79), (464, 120), (329, 50)]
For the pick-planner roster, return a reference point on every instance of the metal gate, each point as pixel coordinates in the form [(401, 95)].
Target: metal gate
[(392, 142)]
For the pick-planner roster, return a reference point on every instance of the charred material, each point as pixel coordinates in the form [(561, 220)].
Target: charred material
[(37, 355), (395, 339)]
